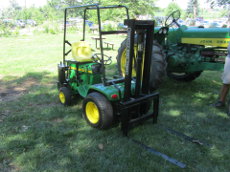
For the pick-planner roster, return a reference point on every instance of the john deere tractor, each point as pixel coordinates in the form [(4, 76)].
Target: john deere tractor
[(129, 99), (189, 50)]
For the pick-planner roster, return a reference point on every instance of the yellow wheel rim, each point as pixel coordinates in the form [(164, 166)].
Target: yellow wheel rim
[(62, 97), (123, 62), (92, 112)]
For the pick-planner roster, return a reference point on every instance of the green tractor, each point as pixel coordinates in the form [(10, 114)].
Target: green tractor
[(129, 99), (189, 50)]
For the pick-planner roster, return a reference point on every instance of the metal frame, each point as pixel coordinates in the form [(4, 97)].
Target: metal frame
[(144, 31), (98, 8)]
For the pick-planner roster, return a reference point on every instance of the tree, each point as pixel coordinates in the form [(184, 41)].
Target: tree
[(225, 4), (219, 2), (171, 8), (192, 8), (11, 11), (136, 7), (139, 7), (14, 5)]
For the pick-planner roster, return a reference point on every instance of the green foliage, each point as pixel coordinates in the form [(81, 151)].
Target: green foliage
[(4, 30), (16, 31), (171, 8), (192, 8), (109, 27), (224, 3), (8, 29), (54, 10), (51, 27), (224, 13), (140, 7), (38, 14)]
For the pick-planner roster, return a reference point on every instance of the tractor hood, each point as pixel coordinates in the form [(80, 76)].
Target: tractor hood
[(216, 37)]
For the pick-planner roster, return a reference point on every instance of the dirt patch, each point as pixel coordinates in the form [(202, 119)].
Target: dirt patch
[(11, 90), (6, 165), (57, 120), (4, 114)]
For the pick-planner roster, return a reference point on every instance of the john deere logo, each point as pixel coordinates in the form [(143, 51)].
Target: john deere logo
[(216, 42), (205, 41)]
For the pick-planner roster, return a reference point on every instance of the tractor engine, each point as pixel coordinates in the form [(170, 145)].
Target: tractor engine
[(191, 50)]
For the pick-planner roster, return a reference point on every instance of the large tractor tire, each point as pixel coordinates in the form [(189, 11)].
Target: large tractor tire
[(158, 64), (184, 77), (98, 111)]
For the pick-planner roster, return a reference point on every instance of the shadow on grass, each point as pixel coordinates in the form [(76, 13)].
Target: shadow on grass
[(186, 108), (39, 134), (12, 87), (34, 127)]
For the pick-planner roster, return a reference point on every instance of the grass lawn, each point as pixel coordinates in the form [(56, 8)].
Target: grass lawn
[(37, 133)]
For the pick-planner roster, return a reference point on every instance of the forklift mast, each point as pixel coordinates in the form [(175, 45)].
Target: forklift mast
[(143, 29), (140, 32)]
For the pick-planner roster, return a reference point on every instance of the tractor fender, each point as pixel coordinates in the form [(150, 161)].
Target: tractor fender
[(111, 92)]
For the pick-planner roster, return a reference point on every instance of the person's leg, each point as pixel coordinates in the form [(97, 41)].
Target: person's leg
[(225, 87), (222, 97), (224, 92)]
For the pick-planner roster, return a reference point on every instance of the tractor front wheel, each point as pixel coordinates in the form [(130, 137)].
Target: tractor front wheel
[(98, 111), (184, 77), (65, 96)]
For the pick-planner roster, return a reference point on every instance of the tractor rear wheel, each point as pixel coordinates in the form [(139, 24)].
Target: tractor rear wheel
[(98, 111), (65, 96), (184, 77), (158, 64)]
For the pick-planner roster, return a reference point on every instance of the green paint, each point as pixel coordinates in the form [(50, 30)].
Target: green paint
[(85, 78)]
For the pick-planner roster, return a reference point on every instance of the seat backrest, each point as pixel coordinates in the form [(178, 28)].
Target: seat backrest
[(81, 51)]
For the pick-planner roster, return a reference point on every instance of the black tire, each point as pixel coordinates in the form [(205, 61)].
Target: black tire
[(98, 104), (184, 77), (158, 64), (65, 96)]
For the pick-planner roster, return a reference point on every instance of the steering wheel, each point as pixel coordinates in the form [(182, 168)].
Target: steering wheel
[(98, 59), (173, 18)]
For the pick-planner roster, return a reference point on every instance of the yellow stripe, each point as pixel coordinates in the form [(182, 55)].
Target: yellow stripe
[(81, 70), (216, 42), (73, 68)]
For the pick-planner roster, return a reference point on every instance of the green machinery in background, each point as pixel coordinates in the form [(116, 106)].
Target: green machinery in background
[(189, 50)]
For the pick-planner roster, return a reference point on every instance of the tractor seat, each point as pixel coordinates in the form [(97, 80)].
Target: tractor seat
[(81, 51)]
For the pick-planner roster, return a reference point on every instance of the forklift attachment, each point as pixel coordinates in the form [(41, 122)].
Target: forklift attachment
[(135, 106)]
